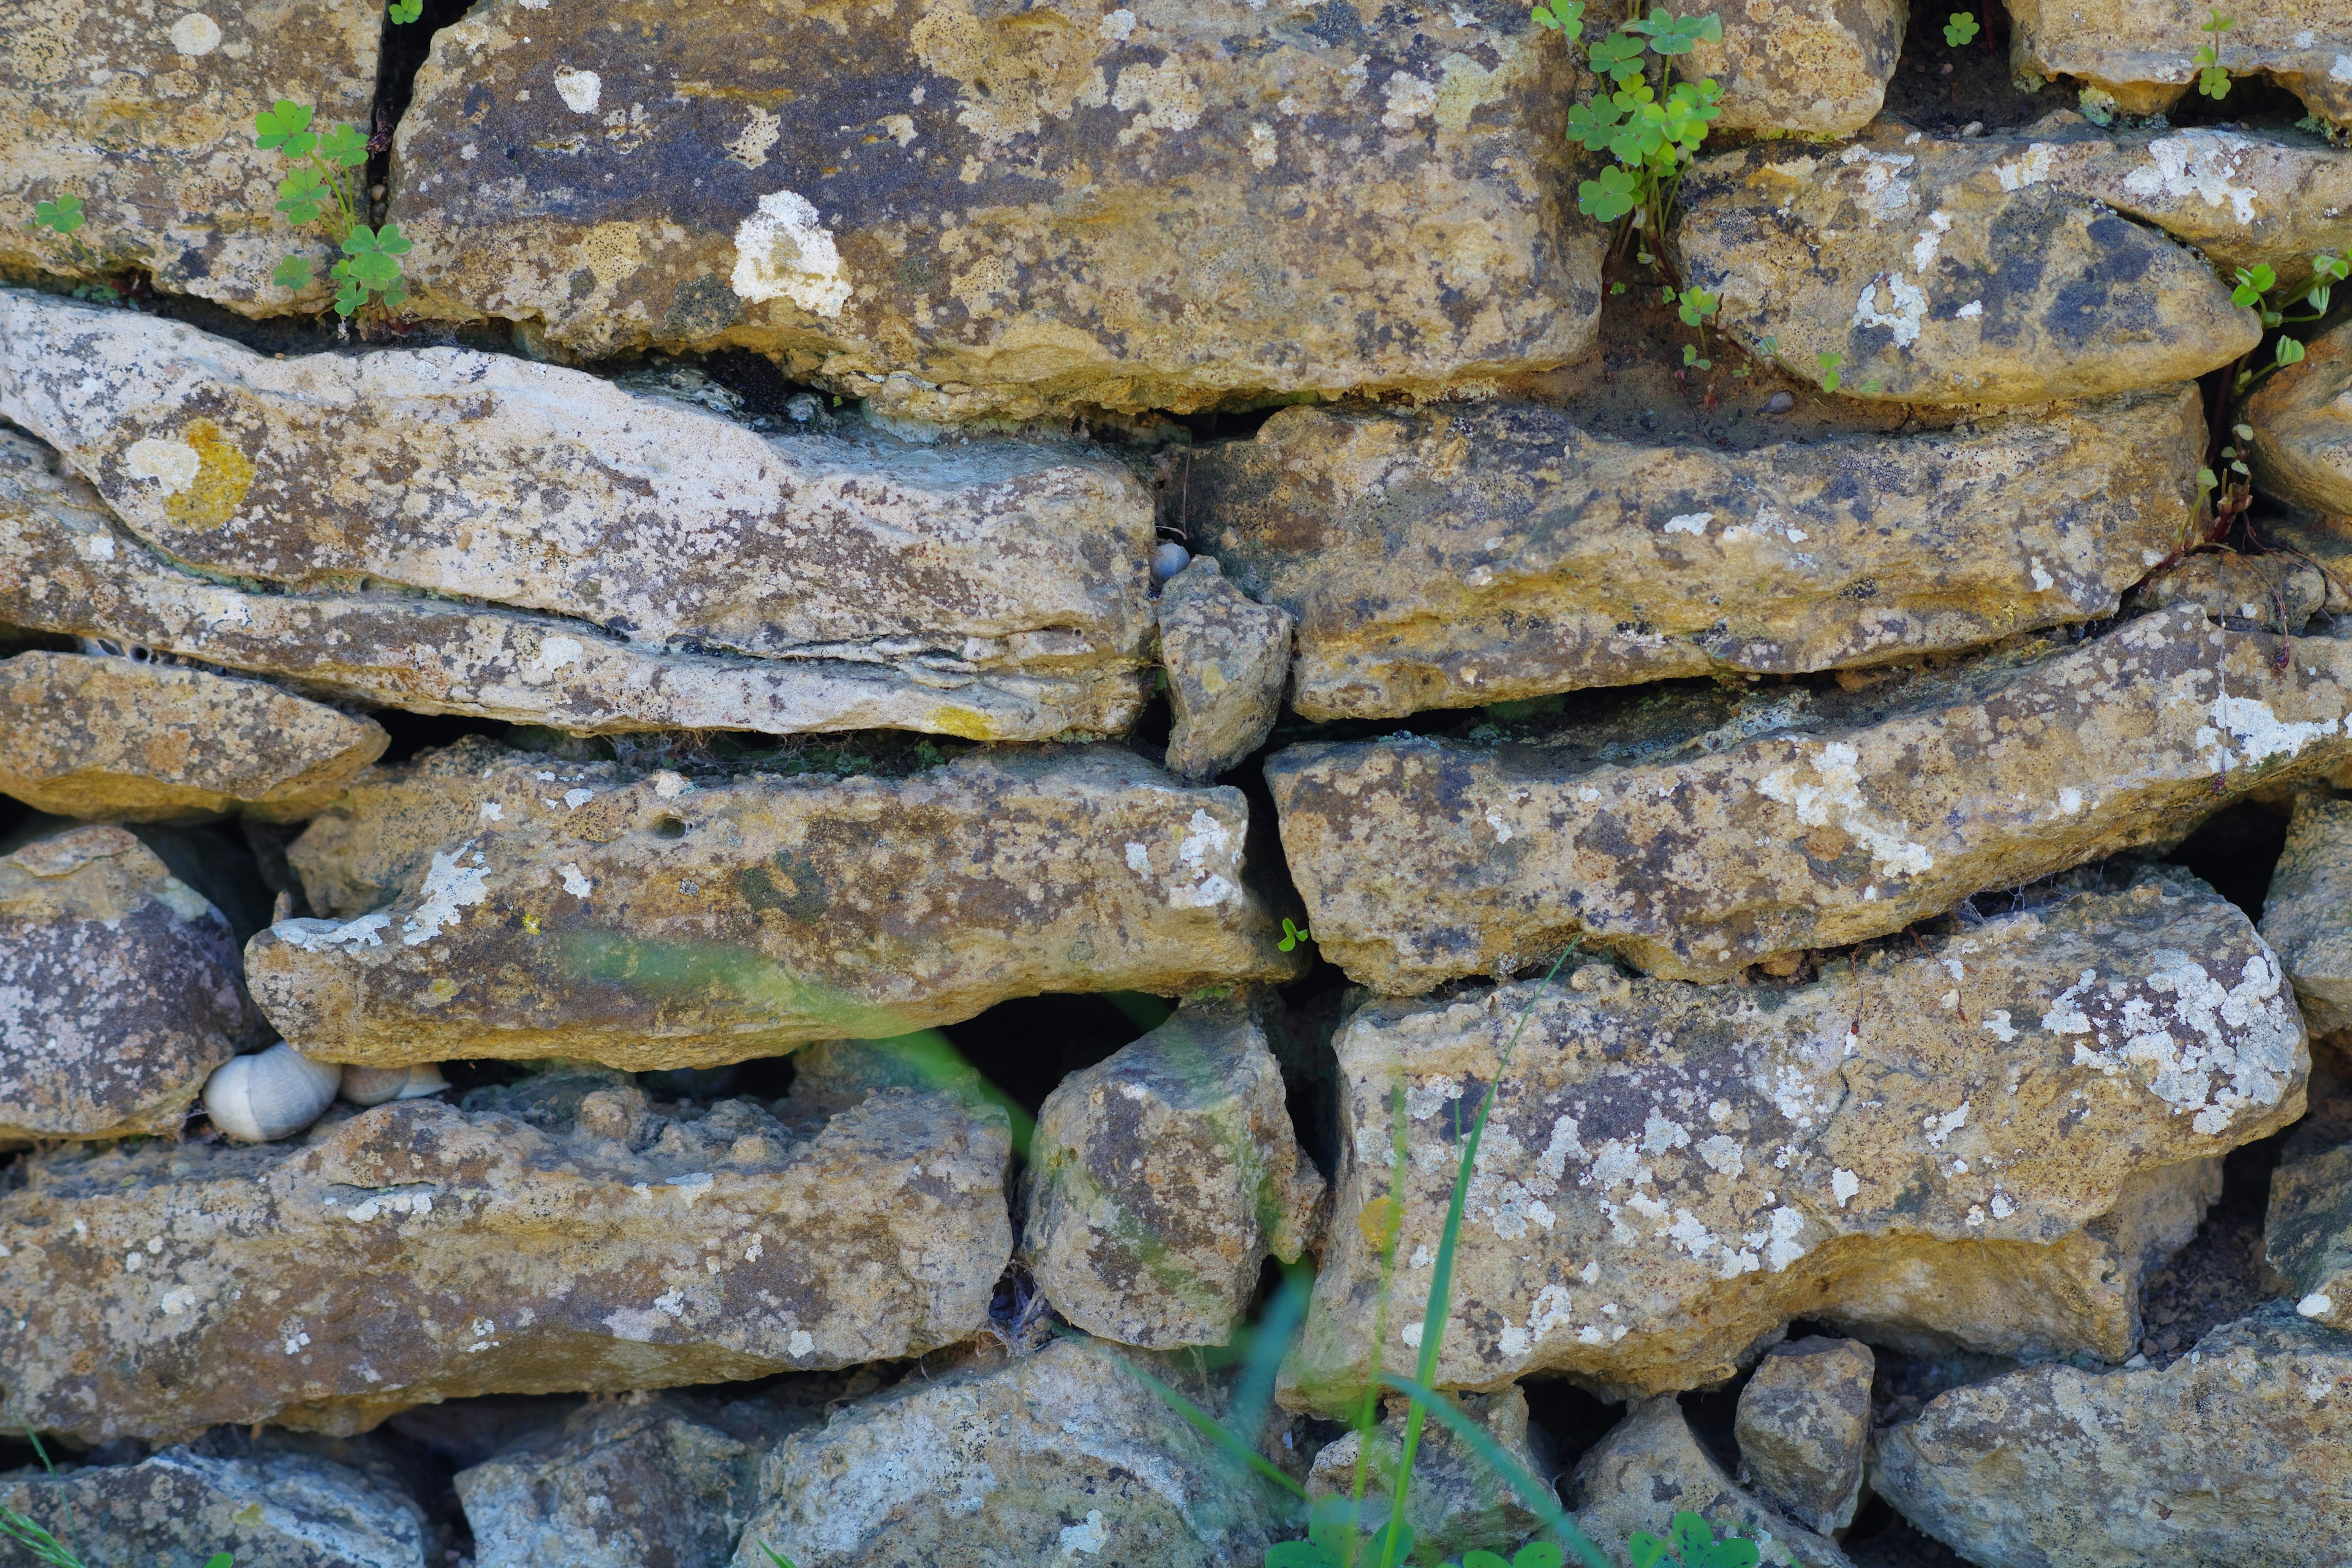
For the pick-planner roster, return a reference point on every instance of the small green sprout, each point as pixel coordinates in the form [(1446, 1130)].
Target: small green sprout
[(1292, 934), (1692, 360), (1831, 379), (775, 1557), (62, 216), (1607, 198), (1962, 28), (1692, 1541), (1696, 306), (323, 187), (402, 12), (2212, 80), (1560, 16)]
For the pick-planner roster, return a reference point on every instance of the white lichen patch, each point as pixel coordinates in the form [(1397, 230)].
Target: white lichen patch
[(782, 252), (449, 888), (582, 90), (1903, 312), (174, 465), (1835, 797), (2199, 165)]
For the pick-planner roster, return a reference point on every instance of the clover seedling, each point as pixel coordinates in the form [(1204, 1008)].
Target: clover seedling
[(1692, 1541), (404, 11), (1292, 934), (1831, 379), (323, 187), (62, 216), (1961, 28), (2212, 80)]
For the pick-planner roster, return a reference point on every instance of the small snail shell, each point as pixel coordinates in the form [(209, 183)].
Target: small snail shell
[(270, 1094), (1168, 558), (375, 1086)]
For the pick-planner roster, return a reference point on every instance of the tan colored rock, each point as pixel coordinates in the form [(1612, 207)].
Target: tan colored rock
[(1475, 555), (1652, 1467), (2239, 1452), (2302, 418), (119, 991), (148, 742), (1162, 1178), (1984, 1143), (2307, 1235), (2307, 912), (494, 481), (1065, 1456), (1227, 660), (960, 211), (1705, 832), (145, 109), (1817, 67), (1946, 271), (2274, 593), (558, 1236), (652, 924), (1803, 1428), (66, 565), (2142, 51), (1457, 1502)]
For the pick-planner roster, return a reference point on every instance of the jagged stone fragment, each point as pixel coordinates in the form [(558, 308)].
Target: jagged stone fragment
[(1227, 658), (2239, 1452), (960, 211), (2307, 1233), (1700, 833), (274, 1509), (119, 991), (1983, 1142), (143, 111), (2142, 51), (1803, 1428), (497, 481), (2308, 911), (1652, 1467), (1064, 1455), (651, 925), (1162, 1177), (556, 1236), (2302, 419), (1457, 1502), (1815, 68), (92, 737), (1474, 555), (2274, 593), (1946, 271)]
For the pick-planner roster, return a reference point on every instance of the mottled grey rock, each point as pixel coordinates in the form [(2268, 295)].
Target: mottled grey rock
[(119, 991), (1803, 1428), (1457, 1502), (1652, 1467), (2302, 419), (1162, 1177), (1815, 68), (2307, 1233), (2239, 1452), (1442, 559), (2141, 51), (1227, 658), (2274, 593), (2308, 911)]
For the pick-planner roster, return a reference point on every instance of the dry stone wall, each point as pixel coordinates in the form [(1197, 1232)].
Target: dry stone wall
[(948, 773)]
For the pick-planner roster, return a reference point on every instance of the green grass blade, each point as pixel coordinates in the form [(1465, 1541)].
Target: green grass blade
[(1217, 1432), (1539, 1498), (1268, 1343)]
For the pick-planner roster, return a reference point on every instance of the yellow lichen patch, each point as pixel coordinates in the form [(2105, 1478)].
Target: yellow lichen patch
[(223, 476), (966, 723)]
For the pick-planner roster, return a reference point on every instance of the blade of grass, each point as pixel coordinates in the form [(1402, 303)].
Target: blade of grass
[(1268, 1343), (1539, 1498), (1215, 1430)]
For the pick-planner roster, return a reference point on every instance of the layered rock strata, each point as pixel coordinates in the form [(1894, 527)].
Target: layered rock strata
[(2141, 51)]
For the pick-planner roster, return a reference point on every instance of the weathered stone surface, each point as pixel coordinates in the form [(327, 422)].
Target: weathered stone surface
[(556, 1236), (267, 1510), (67, 566), (2140, 51), (650, 925), (1817, 67), (1652, 1467), (2302, 418), (1702, 834), (2307, 1233), (1984, 1143), (1228, 660), (1456, 1502), (119, 991), (1474, 555), (145, 109), (1946, 271), (2273, 593), (2307, 912), (2239, 1452), (1803, 1428), (1162, 1177), (90, 737), (1065, 1456), (961, 211), (495, 480)]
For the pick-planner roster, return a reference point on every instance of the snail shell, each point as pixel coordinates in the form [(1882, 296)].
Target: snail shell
[(375, 1086), (270, 1094)]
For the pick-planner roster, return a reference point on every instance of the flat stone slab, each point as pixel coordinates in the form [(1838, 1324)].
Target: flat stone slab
[(2141, 50), (2301, 417), (649, 924), (1699, 834), (555, 1237), (961, 212), (1444, 559), (1983, 1142)]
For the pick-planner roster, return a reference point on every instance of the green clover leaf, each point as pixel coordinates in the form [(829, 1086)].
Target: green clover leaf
[(1594, 123), (404, 12), (1292, 934), (350, 295), (1617, 56), (343, 145), (1671, 35), (375, 254), (2252, 284), (302, 194), (294, 272), (1962, 28), (1560, 16), (1697, 305), (286, 126), (62, 216), (1831, 379), (2289, 351), (1607, 198)]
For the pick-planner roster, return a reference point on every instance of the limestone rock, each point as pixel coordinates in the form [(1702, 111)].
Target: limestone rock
[(148, 742), (145, 109), (2307, 1235), (2139, 50), (494, 481), (1162, 1177), (1698, 834), (1457, 1502), (1228, 660), (1803, 1427), (2302, 418), (119, 991), (1817, 67), (1474, 555), (2239, 1452), (2307, 912), (558, 1236), (2273, 593), (1982, 1142), (962, 211), (1928, 270), (1065, 1456), (274, 1509), (647, 925), (1652, 1467), (67, 566)]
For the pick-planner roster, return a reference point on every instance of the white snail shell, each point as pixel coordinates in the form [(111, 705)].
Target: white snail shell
[(270, 1094), (375, 1086)]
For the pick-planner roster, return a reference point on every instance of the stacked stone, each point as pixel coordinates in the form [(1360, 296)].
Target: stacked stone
[(1683, 877)]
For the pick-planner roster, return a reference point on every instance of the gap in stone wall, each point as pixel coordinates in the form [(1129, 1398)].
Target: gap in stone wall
[(2235, 852)]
